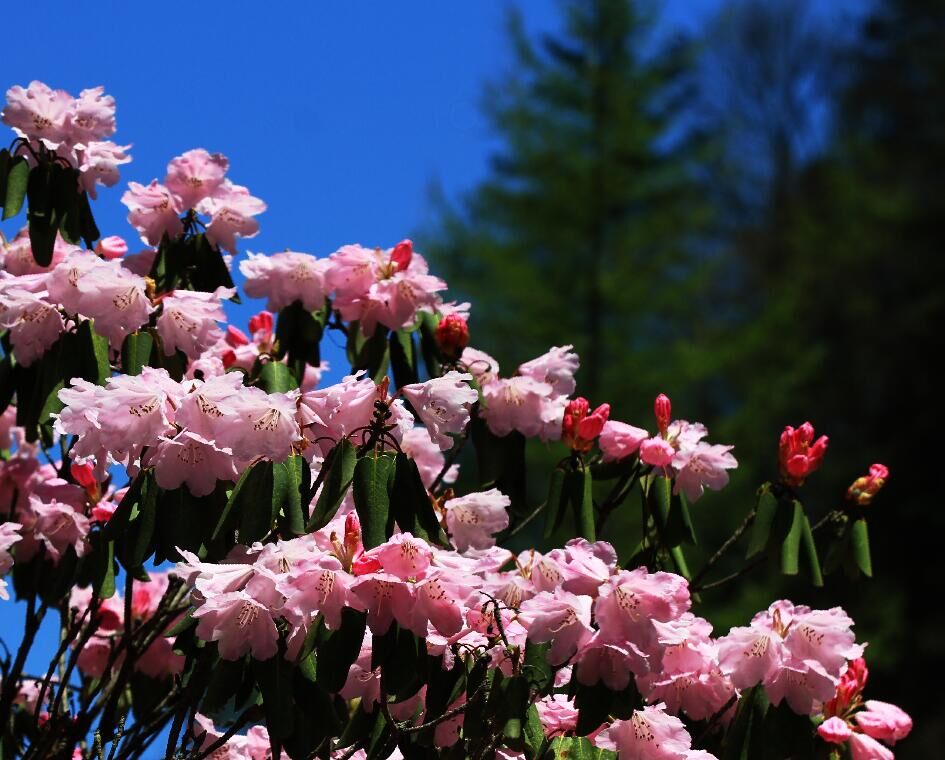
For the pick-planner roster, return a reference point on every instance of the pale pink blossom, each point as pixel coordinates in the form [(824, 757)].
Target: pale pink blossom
[(443, 405), (38, 112), (191, 459), (556, 367), (34, 323), (612, 662), (480, 365), (865, 747), (702, 466), (618, 440), (523, 404), (649, 734), (257, 423), (153, 211), (560, 617), (189, 319), (558, 714), (428, 457), (473, 520), (98, 165), (92, 116), (241, 621), (285, 277), (231, 210), (59, 527), (403, 555), (657, 452), (195, 175), (112, 247)]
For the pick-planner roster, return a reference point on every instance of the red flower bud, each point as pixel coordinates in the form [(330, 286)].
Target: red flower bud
[(236, 337), (261, 322), (799, 454), (452, 335), (663, 410), (84, 475), (579, 429), (401, 255)]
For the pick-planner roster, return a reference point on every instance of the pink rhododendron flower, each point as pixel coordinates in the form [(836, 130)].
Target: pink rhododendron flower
[(618, 440), (865, 747), (98, 165), (557, 367), (442, 405), (191, 459), (285, 277), (92, 116), (560, 617), (403, 555), (195, 175), (259, 424), (862, 491), (523, 404), (418, 445), (580, 426), (558, 714), (649, 734), (59, 526), (231, 210), (188, 320), (38, 112), (34, 323), (480, 365), (154, 211), (702, 466), (240, 622), (473, 520)]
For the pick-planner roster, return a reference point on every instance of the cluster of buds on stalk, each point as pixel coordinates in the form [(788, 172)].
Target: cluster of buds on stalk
[(799, 454), (579, 428), (864, 488)]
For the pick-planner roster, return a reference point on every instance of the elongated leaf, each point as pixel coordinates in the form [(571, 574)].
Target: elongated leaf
[(274, 679), (556, 502), (790, 546), (299, 332), (291, 494), (275, 377), (535, 741), (16, 185), (338, 650), (810, 550), (372, 496), (411, 503), (428, 346), (860, 544), (340, 463), (252, 493), (764, 520), (135, 352), (371, 354), (577, 748), (136, 544), (103, 570), (41, 216), (403, 357), (580, 487)]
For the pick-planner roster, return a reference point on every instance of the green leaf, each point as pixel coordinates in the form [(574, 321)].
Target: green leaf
[(412, 507), (291, 495), (206, 270), (371, 354), (860, 545), (790, 545), (41, 212), (513, 706), (16, 185), (402, 657), (226, 677), (103, 565), (87, 226), (577, 748), (299, 333), (535, 740), (536, 667), (764, 520), (136, 543), (251, 503), (501, 462), (274, 679), (428, 345), (135, 352), (579, 485), (372, 496), (339, 465), (403, 357), (338, 650), (275, 377), (671, 512), (556, 502), (93, 353), (810, 550)]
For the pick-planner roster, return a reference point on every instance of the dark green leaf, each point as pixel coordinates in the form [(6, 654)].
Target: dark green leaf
[(412, 508), (790, 545), (275, 377), (577, 748), (292, 494), (579, 485), (340, 464), (135, 352), (556, 502), (274, 679), (372, 496), (336, 653), (403, 357), (16, 186), (41, 212), (860, 544), (371, 354), (428, 345), (764, 520), (299, 333), (810, 549)]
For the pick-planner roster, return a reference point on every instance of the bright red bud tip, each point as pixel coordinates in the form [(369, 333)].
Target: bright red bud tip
[(663, 409), (84, 475), (261, 322), (401, 255), (799, 454), (452, 335), (236, 337)]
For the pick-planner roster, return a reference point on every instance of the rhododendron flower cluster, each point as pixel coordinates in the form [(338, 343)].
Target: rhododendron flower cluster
[(249, 560)]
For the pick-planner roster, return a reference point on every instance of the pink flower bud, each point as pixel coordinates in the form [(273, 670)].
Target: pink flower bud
[(112, 247), (799, 454), (401, 255), (84, 475), (236, 337), (663, 409), (452, 335), (835, 730)]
